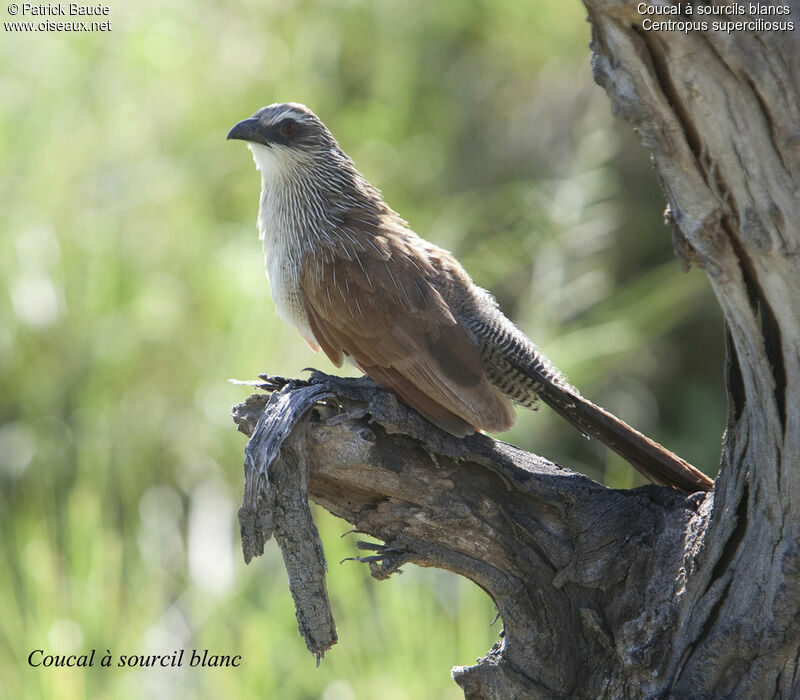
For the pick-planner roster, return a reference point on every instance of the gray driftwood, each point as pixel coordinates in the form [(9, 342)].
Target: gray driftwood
[(602, 593)]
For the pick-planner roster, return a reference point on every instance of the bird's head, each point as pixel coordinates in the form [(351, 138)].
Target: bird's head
[(284, 137), (296, 153)]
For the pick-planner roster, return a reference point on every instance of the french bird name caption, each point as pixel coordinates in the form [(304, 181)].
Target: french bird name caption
[(734, 17), (193, 658)]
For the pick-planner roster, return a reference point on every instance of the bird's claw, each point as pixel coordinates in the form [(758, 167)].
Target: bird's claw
[(384, 563)]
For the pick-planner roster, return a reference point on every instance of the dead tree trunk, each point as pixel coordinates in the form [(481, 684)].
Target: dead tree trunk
[(602, 593)]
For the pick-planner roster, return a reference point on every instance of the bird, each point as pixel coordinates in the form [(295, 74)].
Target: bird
[(359, 284)]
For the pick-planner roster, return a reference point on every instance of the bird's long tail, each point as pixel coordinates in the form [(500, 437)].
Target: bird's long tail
[(516, 367), (651, 459)]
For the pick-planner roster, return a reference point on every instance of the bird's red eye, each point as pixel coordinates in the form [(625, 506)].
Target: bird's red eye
[(288, 127)]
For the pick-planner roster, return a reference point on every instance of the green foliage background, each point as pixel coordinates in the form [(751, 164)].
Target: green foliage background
[(133, 287)]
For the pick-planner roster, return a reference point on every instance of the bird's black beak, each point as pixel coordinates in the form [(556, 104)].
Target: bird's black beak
[(248, 130)]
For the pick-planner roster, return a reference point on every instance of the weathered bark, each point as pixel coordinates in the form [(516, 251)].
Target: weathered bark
[(605, 593), (721, 114)]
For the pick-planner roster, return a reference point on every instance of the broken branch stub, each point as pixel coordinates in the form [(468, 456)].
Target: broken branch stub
[(275, 502)]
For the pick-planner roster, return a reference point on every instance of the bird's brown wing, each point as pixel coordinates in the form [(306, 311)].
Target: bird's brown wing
[(378, 305)]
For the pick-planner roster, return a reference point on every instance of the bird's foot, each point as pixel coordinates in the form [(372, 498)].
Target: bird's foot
[(386, 561)]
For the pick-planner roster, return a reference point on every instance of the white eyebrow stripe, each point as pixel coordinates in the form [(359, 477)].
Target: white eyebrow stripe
[(287, 113)]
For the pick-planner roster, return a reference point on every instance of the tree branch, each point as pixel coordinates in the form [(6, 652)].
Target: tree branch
[(538, 538)]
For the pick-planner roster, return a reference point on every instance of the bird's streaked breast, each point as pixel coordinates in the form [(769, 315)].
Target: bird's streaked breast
[(281, 238)]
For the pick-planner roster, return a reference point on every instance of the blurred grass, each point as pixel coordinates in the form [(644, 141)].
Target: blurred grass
[(134, 286)]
